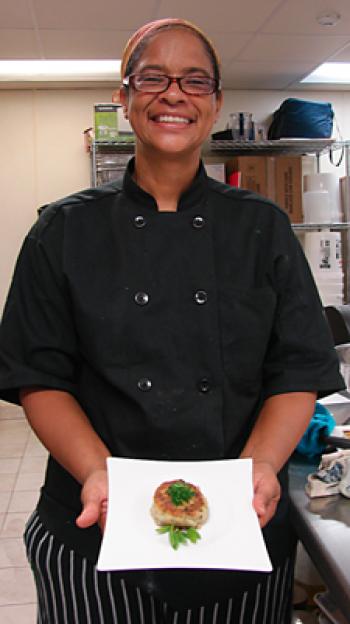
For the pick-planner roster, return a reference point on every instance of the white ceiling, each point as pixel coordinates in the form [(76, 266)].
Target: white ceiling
[(264, 44)]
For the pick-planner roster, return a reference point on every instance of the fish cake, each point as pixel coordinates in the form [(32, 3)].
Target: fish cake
[(188, 513)]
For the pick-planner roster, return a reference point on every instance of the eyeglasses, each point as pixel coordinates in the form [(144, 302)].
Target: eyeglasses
[(158, 83)]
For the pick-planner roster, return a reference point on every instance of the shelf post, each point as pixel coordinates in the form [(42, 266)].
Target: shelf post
[(346, 236), (93, 165), (318, 163)]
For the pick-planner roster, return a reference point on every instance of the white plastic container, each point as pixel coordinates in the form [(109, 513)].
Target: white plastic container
[(317, 207), (326, 182), (323, 251)]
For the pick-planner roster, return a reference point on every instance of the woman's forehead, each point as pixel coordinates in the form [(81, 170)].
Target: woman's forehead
[(175, 46)]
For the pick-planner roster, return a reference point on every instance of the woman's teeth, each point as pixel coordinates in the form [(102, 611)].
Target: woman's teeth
[(172, 119)]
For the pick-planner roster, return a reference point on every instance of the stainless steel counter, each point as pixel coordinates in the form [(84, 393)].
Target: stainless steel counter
[(323, 527)]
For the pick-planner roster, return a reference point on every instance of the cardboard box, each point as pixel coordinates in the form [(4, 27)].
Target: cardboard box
[(288, 185), (253, 171), (278, 178), (106, 122)]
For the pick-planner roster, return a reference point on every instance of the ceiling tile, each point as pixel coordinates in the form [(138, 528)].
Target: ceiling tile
[(229, 45), (93, 14), (260, 75), (15, 14), (343, 56), (18, 44), (224, 16), (292, 48), (300, 16), (75, 44)]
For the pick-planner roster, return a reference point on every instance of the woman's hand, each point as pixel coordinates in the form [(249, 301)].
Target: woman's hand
[(267, 491), (94, 497), (280, 425)]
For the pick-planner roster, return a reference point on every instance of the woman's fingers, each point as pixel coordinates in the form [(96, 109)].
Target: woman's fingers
[(94, 500), (265, 509), (267, 492), (89, 515)]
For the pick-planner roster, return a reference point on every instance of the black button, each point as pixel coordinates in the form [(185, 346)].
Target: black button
[(201, 297), (204, 385), (140, 221), (144, 384), (198, 222), (141, 298)]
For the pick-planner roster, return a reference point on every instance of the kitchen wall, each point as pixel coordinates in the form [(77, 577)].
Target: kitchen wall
[(42, 154)]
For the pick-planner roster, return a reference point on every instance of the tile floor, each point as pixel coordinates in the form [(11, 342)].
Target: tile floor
[(22, 464)]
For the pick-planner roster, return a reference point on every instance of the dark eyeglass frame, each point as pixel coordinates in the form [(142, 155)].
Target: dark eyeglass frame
[(131, 80)]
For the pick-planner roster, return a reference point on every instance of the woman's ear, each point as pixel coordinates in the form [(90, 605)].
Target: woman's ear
[(123, 98)]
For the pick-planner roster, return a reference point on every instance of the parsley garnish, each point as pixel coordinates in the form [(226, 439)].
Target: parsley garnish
[(180, 493), (178, 536)]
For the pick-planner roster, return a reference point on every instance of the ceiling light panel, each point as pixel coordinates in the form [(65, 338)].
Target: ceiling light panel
[(329, 73), (53, 70)]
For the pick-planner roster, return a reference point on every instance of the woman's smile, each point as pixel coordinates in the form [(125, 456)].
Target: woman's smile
[(168, 121)]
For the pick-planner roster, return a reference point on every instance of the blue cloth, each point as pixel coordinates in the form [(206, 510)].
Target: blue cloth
[(322, 420)]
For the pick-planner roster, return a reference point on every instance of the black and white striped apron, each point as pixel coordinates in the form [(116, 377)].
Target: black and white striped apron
[(71, 591)]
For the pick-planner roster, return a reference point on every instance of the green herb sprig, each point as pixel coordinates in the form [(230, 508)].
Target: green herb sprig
[(178, 535), (179, 493)]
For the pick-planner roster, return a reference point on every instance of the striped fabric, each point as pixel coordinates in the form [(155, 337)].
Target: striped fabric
[(71, 591)]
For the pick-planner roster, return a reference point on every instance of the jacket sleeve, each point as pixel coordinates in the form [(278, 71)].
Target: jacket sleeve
[(300, 355), (38, 342)]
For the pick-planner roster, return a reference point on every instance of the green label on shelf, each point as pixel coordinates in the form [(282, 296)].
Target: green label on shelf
[(106, 122)]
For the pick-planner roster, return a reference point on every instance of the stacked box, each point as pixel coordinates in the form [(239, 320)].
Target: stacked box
[(288, 185), (253, 171), (277, 178)]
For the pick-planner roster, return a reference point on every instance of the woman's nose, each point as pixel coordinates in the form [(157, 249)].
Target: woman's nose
[(173, 93)]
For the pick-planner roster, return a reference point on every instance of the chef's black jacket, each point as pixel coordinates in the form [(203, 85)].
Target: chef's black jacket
[(170, 328)]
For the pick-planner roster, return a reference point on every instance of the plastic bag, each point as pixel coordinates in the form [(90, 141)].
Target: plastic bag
[(302, 119)]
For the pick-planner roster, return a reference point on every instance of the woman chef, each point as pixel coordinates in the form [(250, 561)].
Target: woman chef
[(163, 316)]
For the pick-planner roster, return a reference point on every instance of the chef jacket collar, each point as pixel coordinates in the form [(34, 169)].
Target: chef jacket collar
[(191, 198)]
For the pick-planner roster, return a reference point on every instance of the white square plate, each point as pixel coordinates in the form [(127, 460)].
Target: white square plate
[(230, 539)]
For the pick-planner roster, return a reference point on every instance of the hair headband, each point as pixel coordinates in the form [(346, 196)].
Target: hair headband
[(152, 27)]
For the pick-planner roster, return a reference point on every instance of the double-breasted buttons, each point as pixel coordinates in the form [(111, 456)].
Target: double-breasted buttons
[(141, 298), (198, 222), (200, 297), (204, 385), (140, 221), (144, 384)]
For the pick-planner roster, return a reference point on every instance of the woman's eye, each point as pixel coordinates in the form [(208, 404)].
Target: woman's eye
[(151, 79), (197, 81)]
